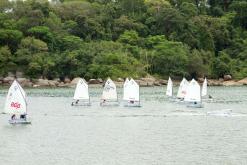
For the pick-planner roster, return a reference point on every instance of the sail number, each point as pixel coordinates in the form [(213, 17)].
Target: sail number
[(15, 105)]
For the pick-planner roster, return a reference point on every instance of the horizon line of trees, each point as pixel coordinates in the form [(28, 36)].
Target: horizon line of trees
[(122, 38)]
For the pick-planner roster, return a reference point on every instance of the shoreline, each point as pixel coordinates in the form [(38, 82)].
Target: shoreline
[(143, 82)]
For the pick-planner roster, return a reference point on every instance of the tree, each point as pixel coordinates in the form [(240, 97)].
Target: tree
[(240, 7), (6, 61), (130, 37), (11, 38), (170, 58)]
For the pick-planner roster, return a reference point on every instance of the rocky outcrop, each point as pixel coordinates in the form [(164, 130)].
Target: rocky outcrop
[(143, 82), (53, 83), (227, 77), (212, 82), (8, 80), (25, 82), (200, 80), (42, 82), (95, 81), (19, 74), (120, 79), (162, 82), (45, 83), (243, 81), (66, 80), (232, 83), (75, 81)]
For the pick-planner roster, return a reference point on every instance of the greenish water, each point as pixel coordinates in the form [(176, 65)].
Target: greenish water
[(160, 132)]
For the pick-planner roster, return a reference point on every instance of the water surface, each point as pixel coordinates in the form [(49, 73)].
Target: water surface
[(160, 132)]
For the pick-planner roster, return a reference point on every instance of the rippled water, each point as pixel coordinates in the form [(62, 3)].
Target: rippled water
[(160, 132)]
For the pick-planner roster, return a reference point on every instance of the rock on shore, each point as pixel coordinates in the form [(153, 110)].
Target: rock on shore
[(143, 82)]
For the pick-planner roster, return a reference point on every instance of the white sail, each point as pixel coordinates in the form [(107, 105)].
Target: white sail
[(131, 91), (182, 90), (109, 91), (22, 91), (15, 102), (81, 91), (204, 87), (125, 89), (169, 87), (193, 92)]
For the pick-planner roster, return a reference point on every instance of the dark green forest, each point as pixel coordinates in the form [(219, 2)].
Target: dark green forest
[(122, 38)]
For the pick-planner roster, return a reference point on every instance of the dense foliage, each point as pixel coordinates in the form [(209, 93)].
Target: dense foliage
[(120, 38)]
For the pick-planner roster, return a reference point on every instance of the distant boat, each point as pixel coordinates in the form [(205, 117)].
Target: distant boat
[(131, 93), (81, 95), (204, 87), (193, 96), (109, 95), (182, 90), (16, 104), (125, 91), (169, 91)]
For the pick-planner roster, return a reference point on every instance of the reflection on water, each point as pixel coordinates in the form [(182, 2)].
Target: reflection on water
[(160, 132)]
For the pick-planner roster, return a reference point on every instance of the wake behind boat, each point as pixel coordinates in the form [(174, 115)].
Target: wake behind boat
[(81, 95), (16, 104)]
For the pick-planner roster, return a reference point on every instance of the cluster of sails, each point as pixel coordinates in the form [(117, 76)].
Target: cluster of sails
[(131, 95), (188, 92)]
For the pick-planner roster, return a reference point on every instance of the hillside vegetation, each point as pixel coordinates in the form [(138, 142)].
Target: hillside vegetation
[(120, 38)]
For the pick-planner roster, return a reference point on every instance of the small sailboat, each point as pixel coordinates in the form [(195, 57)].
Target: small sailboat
[(125, 91), (193, 96), (204, 87), (131, 96), (16, 104), (169, 91), (182, 90), (81, 95), (109, 95)]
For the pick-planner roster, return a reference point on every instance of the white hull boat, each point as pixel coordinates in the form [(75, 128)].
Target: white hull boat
[(109, 95), (131, 104), (131, 94), (16, 104), (81, 95), (19, 121), (195, 105), (193, 96)]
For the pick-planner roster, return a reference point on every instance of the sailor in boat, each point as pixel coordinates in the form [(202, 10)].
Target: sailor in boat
[(23, 116), (76, 102), (132, 102), (103, 102), (13, 117)]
